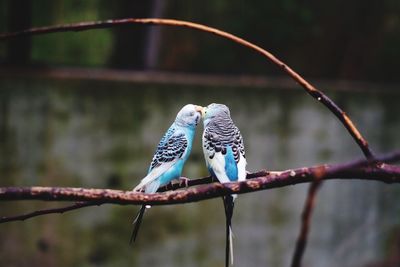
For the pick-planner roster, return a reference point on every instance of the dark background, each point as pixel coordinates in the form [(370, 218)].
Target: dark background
[(357, 40)]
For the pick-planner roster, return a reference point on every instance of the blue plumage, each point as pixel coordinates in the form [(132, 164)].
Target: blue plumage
[(231, 167), (225, 158), (170, 156)]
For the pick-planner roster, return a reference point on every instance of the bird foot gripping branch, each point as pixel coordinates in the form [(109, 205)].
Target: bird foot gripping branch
[(183, 182)]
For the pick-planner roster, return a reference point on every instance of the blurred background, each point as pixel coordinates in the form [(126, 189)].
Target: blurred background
[(87, 109)]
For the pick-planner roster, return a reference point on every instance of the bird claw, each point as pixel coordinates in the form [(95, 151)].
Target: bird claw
[(179, 182), (183, 181)]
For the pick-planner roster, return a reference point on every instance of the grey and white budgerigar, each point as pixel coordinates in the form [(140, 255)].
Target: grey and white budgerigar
[(170, 156), (225, 158)]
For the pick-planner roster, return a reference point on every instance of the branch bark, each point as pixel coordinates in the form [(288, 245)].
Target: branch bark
[(360, 169)]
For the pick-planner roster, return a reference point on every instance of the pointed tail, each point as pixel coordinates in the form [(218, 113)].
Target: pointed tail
[(136, 224), (229, 205)]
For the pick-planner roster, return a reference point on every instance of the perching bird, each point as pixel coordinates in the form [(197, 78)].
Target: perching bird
[(225, 158), (171, 154)]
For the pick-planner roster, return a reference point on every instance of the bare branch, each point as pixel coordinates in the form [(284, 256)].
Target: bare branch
[(305, 224), (309, 205), (387, 158), (361, 169), (315, 93), (36, 213)]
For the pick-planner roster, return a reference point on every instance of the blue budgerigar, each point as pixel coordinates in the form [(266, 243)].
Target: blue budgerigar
[(171, 154), (225, 158)]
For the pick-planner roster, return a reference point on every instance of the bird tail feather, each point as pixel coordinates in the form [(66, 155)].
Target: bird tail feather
[(153, 176), (229, 205), (136, 224)]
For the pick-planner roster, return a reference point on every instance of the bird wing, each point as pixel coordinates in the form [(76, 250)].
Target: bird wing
[(223, 147), (171, 148)]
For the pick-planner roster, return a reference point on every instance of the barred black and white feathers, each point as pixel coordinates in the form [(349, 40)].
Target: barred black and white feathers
[(223, 145), (221, 133), (225, 157), (171, 147)]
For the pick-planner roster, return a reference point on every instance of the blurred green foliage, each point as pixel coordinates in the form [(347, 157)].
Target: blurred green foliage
[(91, 48)]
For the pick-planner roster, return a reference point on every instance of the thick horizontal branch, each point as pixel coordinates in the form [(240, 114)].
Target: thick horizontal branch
[(362, 170), (314, 92), (387, 158)]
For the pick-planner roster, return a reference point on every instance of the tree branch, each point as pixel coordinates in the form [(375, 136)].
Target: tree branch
[(23, 217), (301, 242), (387, 158), (360, 169), (314, 92), (309, 205)]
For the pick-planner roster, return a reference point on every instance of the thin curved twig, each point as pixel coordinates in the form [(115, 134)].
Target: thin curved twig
[(23, 217), (315, 93)]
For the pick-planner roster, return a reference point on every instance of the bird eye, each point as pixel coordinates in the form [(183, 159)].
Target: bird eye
[(191, 114)]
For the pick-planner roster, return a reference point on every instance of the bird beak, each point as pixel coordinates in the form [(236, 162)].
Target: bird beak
[(201, 110)]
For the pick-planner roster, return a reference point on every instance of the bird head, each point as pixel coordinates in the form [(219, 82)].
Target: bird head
[(189, 115), (215, 110)]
